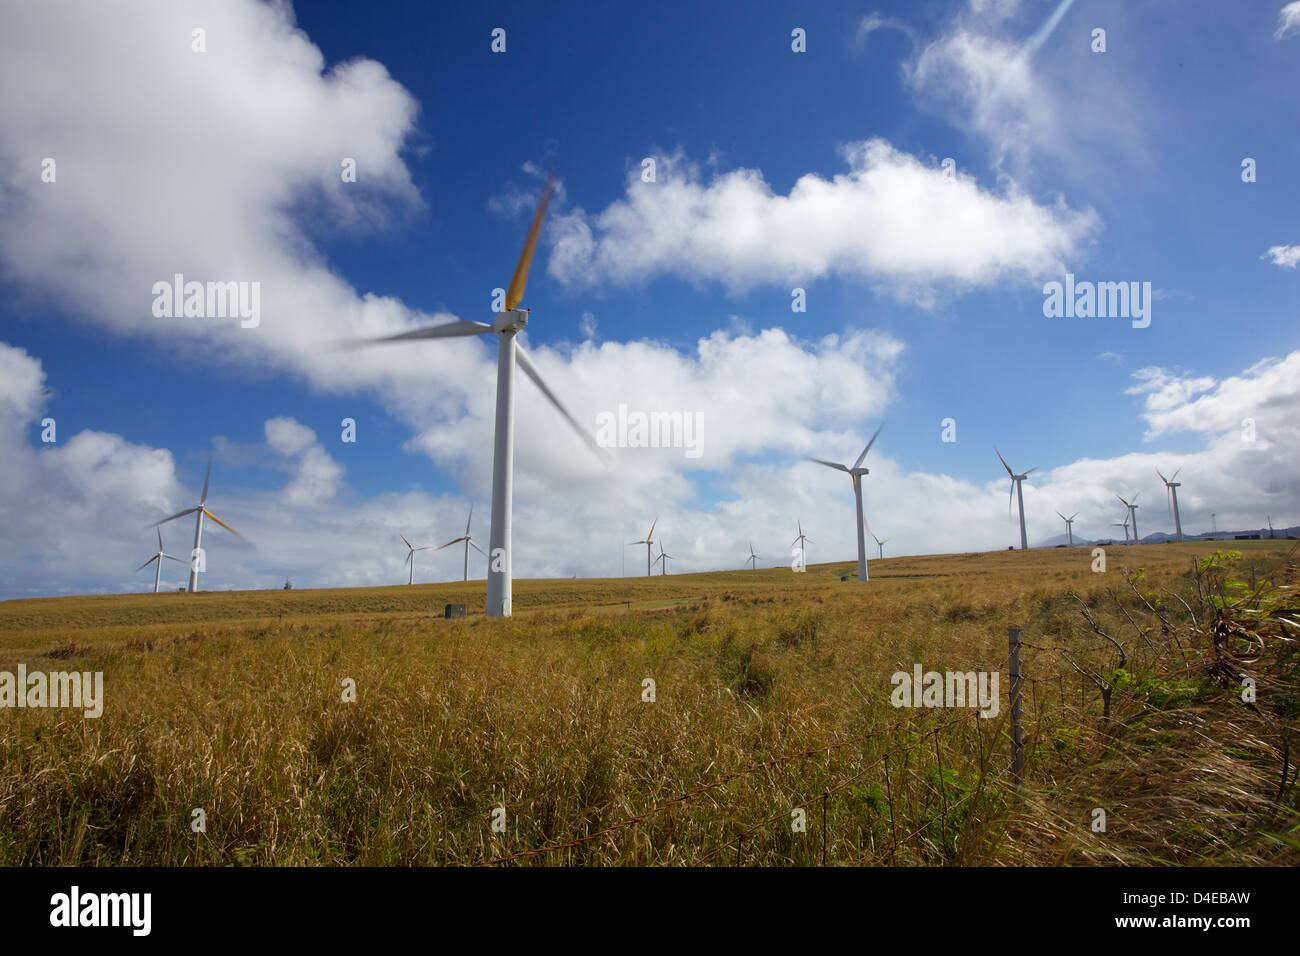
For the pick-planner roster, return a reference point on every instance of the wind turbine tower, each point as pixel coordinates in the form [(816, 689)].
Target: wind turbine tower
[(1069, 533), (1133, 513), (1016, 481), (158, 556), (1172, 487), (199, 512), (857, 473)]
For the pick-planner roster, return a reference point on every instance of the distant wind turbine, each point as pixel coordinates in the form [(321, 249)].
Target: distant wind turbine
[(1124, 525), (1133, 512), (856, 473), (801, 541), (663, 559), (880, 543), (508, 323), (410, 557), (199, 511), (1171, 490), (1016, 481), (753, 558), (157, 573), (469, 541), (647, 541), (1069, 532)]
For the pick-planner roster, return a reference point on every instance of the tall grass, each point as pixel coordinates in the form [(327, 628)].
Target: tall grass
[(771, 695)]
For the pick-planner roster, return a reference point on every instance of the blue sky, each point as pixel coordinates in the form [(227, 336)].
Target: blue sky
[(775, 170)]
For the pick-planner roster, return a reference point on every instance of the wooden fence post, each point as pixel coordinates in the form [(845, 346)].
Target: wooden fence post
[(1017, 738)]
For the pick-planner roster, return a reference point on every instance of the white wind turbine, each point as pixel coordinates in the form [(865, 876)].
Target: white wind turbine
[(469, 541), (507, 324), (199, 511), (663, 559), (1124, 525), (648, 540), (410, 557), (1016, 481), (1069, 531), (753, 558), (157, 573), (880, 543), (802, 542), (1133, 513), (1171, 488), (856, 473)]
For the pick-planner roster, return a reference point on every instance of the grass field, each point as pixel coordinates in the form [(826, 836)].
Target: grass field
[(772, 697)]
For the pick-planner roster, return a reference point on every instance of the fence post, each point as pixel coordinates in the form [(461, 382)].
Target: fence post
[(1017, 739)]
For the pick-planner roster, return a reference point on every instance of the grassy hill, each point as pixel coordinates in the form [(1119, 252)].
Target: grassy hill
[(771, 696)]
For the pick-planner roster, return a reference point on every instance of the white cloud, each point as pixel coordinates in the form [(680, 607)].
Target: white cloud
[(1288, 21), (1285, 256), (316, 474), (890, 219)]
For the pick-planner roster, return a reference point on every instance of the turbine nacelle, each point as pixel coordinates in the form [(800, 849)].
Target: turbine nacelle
[(510, 320)]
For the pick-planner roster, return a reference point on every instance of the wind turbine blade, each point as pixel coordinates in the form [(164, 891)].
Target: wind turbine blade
[(1011, 493), (1122, 501), (651, 535), (1135, 498), (478, 549), (1073, 516), (1035, 468), (525, 363), (404, 541), (425, 548), (1162, 477), (828, 464), (1175, 474), (447, 545), (469, 519), (147, 563), (204, 497), (172, 557), (1062, 517), (222, 523), (448, 330), (1004, 462), (868, 448), (159, 530), (515, 294), (179, 514), (409, 556)]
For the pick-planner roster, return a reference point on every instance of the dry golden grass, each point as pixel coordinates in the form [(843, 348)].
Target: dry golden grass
[(232, 702)]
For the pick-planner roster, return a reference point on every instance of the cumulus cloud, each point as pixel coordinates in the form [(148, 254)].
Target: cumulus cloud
[(891, 218), (1288, 21), (316, 474), (1285, 256)]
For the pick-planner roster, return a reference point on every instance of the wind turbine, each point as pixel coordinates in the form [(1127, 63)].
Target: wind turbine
[(1171, 487), (663, 559), (1016, 481), (410, 557), (1124, 525), (856, 473), (157, 572), (880, 543), (1069, 532), (801, 541), (506, 326), (199, 511), (753, 558), (647, 541), (469, 542), (1133, 511)]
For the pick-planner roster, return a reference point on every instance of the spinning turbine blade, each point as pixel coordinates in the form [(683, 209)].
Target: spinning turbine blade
[(172, 557), (515, 294), (179, 514), (204, 497), (448, 330), (147, 563), (868, 448), (650, 536), (525, 363), (471, 512), (447, 545), (478, 549), (829, 464), (404, 541), (222, 523), (1004, 462)]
